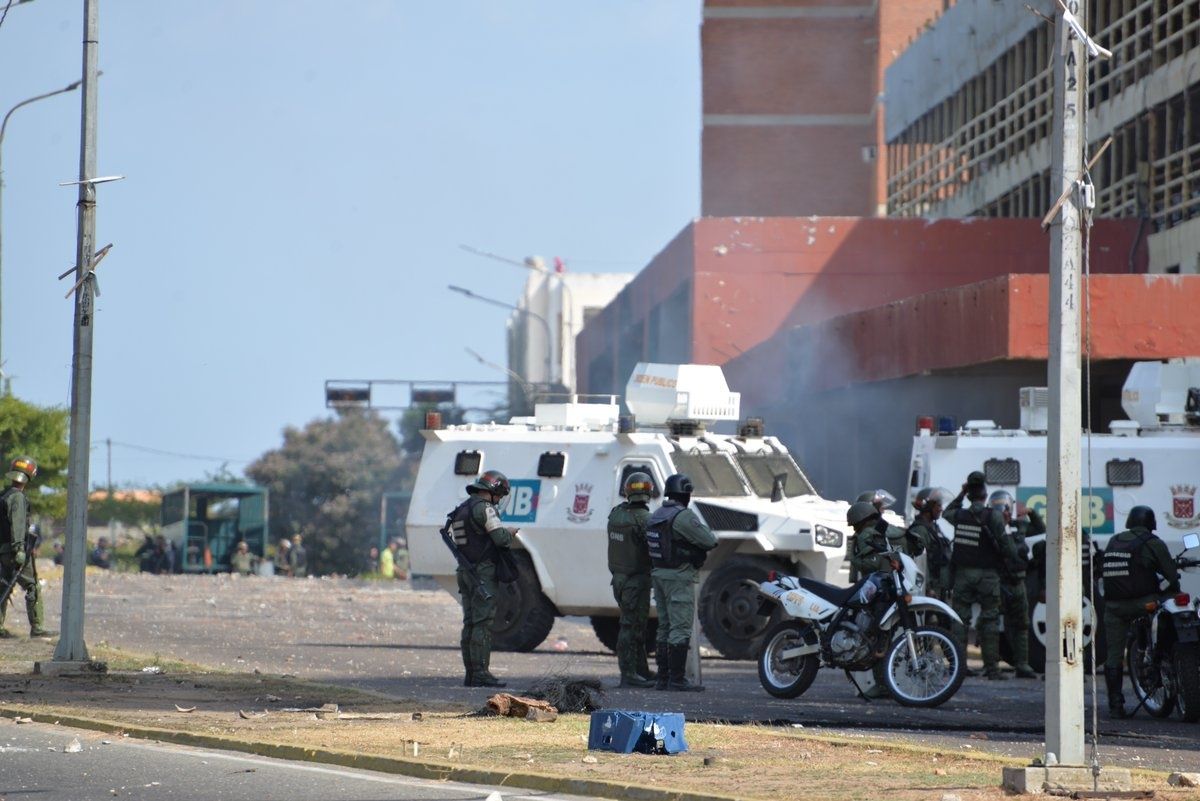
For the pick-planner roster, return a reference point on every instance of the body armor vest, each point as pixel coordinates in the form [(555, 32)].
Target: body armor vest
[(470, 537), (6, 534), (1125, 576), (973, 545), (625, 551), (664, 552)]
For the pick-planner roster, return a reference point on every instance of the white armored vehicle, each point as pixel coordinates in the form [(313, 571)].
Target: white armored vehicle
[(567, 464), (1151, 459)]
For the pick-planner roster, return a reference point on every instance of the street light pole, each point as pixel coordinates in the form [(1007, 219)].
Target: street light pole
[(71, 647), (519, 310), (4, 127)]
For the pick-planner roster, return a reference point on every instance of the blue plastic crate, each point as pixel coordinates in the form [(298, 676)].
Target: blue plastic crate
[(646, 732)]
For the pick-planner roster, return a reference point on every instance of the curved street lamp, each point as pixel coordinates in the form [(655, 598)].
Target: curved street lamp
[(4, 126), (549, 341)]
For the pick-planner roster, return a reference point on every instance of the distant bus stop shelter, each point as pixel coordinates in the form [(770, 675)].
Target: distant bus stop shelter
[(206, 522)]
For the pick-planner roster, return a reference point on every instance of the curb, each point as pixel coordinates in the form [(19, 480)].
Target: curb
[(420, 769)]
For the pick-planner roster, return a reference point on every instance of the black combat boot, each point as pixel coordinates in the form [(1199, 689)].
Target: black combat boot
[(678, 665), (1116, 701), (483, 678), (643, 664), (661, 658)]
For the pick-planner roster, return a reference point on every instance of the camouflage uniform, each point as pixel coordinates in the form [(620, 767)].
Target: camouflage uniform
[(483, 533), (1014, 595), (1121, 608), (981, 549), (629, 563), (682, 537), (16, 558), (937, 556), (870, 543)]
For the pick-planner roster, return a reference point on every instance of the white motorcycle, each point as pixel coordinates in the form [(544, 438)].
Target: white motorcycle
[(874, 630)]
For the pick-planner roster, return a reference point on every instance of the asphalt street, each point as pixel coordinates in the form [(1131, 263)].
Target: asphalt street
[(50, 763), (404, 643)]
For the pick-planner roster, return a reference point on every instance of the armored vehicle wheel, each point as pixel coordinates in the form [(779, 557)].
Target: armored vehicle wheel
[(524, 616), (1093, 626), (607, 629), (728, 607)]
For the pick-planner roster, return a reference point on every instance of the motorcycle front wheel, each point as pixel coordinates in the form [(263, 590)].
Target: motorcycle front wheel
[(1152, 677), (780, 674), (936, 673)]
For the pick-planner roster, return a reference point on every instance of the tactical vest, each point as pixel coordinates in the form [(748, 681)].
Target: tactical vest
[(6, 534), (470, 537), (1125, 576), (626, 554), (937, 547), (973, 546), (660, 541)]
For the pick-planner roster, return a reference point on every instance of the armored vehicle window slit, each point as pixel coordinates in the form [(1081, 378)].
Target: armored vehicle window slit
[(1124, 472), (713, 474), (761, 469), (1005, 472), (467, 463), (639, 468), (552, 464)]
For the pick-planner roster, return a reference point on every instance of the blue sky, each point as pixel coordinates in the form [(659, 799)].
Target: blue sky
[(299, 178)]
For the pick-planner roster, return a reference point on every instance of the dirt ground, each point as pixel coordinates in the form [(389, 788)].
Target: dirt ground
[(748, 762)]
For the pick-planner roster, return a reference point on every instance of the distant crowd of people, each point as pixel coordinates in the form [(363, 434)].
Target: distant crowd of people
[(392, 563), (291, 559)]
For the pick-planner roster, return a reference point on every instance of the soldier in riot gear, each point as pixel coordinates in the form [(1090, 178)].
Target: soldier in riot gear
[(629, 563), (929, 503), (879, 498), (479, 534), (677, 541), (873, 536), (17, 562), (981, 548), (1135, 563), (1014, 600)]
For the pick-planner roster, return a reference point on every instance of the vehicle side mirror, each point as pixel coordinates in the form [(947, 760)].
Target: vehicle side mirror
[(1191, 541), (777, 487)]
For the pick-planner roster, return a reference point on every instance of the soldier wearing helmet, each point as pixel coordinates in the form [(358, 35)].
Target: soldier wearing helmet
[(17, 563), (629, 563), (678, 542), (1136, 562), (879, 498), (874, 537), (480, 535), (1014, 599), (981, 548), (929, 503)]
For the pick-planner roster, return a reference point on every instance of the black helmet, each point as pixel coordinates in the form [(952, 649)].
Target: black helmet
[(860, 512), (1141, 517), (928, 495), (976, 478), (492, 481), (679, 487), (638, 487)]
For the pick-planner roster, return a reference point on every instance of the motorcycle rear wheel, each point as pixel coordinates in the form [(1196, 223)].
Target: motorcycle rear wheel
[(1151, 676), (1187, 676), (783, 677), (936, 675)]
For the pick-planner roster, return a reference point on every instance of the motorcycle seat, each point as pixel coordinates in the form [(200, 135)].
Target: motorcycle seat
[(835, 595)]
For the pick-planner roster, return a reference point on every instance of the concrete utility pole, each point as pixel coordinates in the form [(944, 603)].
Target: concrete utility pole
[(71, 647), (1064, 645)]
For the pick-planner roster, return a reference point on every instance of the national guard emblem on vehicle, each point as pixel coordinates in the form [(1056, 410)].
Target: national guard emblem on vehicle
[(581, 509), (1183, 507)]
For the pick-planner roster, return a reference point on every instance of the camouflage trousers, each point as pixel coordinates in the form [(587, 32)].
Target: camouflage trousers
[(675, 599), (1014, 605), (478, 615), (632, 593), (976, 585), (27, 580), (1118, 617)]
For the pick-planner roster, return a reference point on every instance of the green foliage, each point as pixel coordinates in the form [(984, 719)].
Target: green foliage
[(325, 483), (41, 433), (124, 508)]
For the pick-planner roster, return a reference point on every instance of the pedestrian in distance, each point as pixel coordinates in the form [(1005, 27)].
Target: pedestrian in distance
[(400, 559), (297, 558), (373, 563), (18, 564), (629, 564), (283, 566), (930, 503), (678, 542), (1136, 562), (1014, 598), (982, 549), (241, 561), (101, 555), (479, 536)]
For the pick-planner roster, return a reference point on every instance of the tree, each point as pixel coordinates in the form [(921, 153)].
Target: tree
[(326, 482), (41, 433)]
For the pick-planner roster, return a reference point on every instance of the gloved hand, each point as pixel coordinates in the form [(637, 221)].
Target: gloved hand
[(19, 557)]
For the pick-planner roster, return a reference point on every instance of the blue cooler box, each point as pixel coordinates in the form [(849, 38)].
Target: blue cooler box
[(645, 732)]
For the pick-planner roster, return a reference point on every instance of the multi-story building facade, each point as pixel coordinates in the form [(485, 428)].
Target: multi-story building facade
[(969, 118)]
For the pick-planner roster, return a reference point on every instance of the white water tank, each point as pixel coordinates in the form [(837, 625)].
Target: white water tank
[(658, 394), (1155, 393)]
